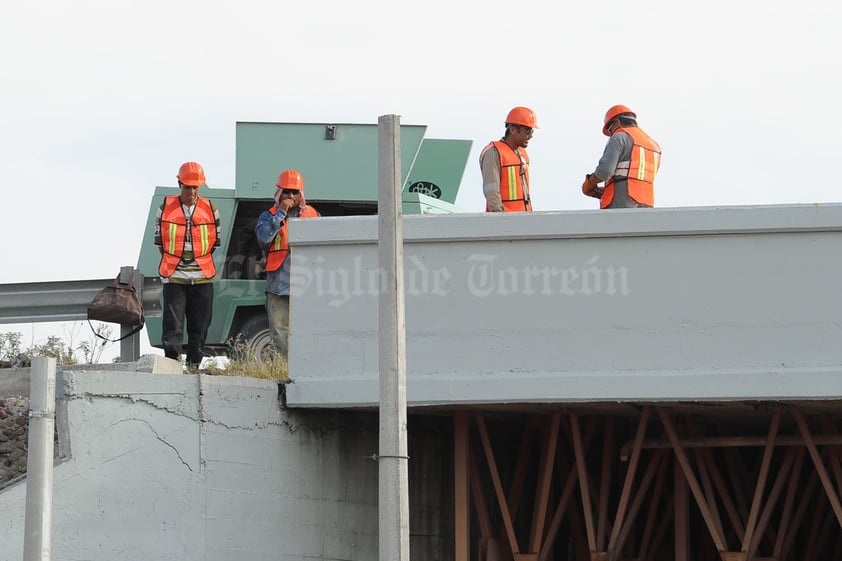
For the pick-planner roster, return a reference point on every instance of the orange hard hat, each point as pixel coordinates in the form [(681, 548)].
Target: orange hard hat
[(613, 112), (290, 179), (522, 116), (191, 173)]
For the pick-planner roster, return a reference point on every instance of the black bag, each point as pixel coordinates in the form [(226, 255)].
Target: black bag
[(117, 303)]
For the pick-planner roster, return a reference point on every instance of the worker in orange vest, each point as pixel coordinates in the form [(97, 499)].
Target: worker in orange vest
[(187, 233), (271, 232), (628, 165), (505, 165)]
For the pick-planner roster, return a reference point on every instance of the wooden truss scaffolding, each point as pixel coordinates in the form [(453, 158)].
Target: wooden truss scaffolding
[(659, 486)]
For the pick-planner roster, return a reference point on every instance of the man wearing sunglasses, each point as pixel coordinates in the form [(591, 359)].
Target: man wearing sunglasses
[(271, 231), (505, 165), (628, 165)]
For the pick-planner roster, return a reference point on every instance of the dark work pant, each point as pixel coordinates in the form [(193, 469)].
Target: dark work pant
[(193, 302)]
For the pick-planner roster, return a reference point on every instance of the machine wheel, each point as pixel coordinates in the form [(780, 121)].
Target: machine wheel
[(254, 341)]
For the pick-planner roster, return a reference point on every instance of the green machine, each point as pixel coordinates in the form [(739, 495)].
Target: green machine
[(339, 164)]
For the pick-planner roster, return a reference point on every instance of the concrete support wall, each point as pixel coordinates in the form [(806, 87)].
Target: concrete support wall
[(202, 468), (696, 304)]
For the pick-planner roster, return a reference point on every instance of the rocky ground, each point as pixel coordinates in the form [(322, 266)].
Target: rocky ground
[(14, 427)]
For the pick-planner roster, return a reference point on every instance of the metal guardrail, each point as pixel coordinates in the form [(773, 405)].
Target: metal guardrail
[(54, 301)]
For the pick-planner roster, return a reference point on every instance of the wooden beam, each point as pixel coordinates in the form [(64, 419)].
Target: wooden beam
[(736, 469), (631, 472), (786, 511), (649, 538), (832, 495), (478, 493), (725, 496), (684, 463), (461, 486), (682, 515), (616, 546), (498, 486), (542, 491), (800, 513), (710, 495), (809, 551), (774, 495), (583, 481), (566, 495), (660, 532), (829, 427), (731, 442), (604, 483), (559, 513), (751, 524), (517, 484)]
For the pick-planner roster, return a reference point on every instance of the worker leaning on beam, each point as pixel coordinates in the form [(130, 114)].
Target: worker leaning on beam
[(505, 165), (628, 165)]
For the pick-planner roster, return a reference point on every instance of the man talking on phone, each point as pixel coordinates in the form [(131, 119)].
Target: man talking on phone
[(271, 232)]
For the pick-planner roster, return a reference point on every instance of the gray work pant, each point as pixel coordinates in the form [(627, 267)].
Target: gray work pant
[(277, 307)]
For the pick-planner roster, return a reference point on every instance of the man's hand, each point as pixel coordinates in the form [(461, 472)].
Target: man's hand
[(590, 186), (286, 204)]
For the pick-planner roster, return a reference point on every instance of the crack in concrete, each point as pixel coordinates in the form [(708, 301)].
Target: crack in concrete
[(132, 398), (199, 417), (158, 437)]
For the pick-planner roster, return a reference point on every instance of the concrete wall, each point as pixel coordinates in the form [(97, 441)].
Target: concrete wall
[(14, 382), (178, 467), (711, 303)]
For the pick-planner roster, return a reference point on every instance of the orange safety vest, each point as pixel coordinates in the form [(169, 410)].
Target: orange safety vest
[(278, 249), (513, 172), (639, 172), (174, 234)]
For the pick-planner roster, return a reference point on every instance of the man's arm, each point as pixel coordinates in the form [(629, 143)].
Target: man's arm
[(617, 145), (268, 225), (606, 166), (218, 227), (489, 163), (157, 235)]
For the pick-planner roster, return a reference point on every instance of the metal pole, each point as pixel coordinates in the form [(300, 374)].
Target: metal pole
[(130, 346), (39, 461), (393, 459)]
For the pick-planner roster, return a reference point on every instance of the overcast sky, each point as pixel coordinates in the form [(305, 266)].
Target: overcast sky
[(103, 100)]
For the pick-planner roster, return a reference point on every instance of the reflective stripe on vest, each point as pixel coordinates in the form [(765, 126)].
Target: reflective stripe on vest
[(639, 171)]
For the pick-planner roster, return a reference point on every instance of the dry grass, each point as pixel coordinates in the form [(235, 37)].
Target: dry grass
[(272, 366)]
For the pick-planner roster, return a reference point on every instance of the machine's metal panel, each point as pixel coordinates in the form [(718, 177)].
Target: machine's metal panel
[(338, 161), (438, 169)]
